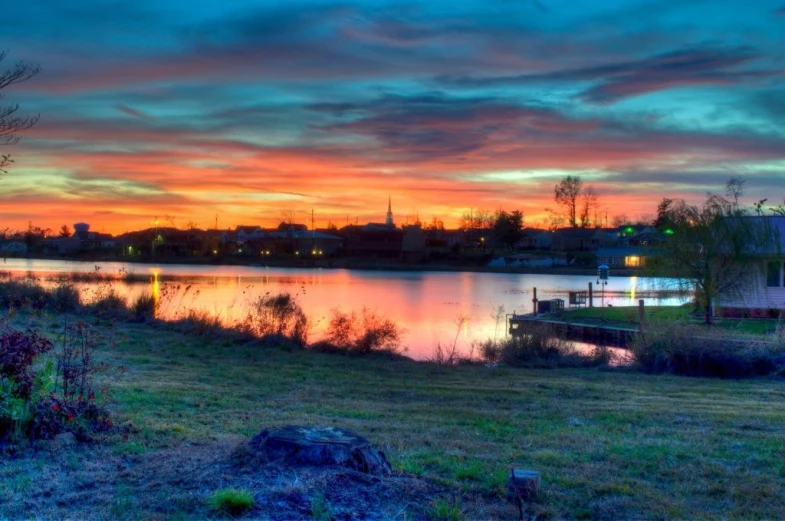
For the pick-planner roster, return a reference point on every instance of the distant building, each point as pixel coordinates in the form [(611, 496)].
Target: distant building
[(81, 240), (12, 248), (413, 244), (378, 240), (581, 239), (624, 257), (389, 219)]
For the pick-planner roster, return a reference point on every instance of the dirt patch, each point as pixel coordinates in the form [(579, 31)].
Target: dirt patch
[(96, 482)]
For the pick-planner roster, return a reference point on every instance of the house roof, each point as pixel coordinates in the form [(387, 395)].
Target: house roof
[(774, 224), (575, 233), (622, 252), (248, 229)]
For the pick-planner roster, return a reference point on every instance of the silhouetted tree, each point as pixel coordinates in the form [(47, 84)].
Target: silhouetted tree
[(65, 231), (566, 195), (710, 247), (10, 121), (664, 218), (435, 224), (590, 203), (508, 227), (478, 220), (620, 220), (734, 189)]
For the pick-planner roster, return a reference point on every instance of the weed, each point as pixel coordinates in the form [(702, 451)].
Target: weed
[(320, 508), (230, 501), (472, 470), (445, 510), (448, 355)]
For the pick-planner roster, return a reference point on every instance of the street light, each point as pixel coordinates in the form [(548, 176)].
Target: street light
[(602, 279)]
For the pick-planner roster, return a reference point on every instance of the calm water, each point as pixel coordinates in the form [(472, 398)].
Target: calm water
[(433, 307)]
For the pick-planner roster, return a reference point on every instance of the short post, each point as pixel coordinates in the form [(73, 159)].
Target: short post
[(591, 296), (524, 484), (534, 301), (641, 316)]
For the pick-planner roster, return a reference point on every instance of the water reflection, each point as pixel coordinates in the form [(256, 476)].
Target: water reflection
[(433, 307)]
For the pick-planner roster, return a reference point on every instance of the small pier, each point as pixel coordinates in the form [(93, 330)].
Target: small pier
[(582, 332)]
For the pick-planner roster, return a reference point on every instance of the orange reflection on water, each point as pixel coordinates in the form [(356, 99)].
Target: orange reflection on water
[(433, 307)]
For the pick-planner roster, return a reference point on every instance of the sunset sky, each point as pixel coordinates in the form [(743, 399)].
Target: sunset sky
[(245, 109)]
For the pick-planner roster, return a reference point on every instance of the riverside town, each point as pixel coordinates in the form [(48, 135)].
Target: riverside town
[(349, 261)]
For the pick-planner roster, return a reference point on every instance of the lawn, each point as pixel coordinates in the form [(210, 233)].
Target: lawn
[(609, 444), (627, 316)]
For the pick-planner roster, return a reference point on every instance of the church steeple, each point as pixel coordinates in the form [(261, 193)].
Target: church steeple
[(389, 220)]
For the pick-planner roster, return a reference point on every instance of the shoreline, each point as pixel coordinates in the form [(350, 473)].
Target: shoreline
[(345, 264)]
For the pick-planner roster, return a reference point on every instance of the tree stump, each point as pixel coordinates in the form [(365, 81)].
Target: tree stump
[(319, 446)]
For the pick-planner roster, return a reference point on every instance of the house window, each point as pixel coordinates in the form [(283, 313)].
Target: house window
[(632, 261), (773, 274)]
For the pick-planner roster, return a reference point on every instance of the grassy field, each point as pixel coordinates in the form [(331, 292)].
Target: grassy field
[(609, 444), (658, 315)]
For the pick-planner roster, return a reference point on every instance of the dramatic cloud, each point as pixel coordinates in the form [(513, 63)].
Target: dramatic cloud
[(615, 81), (247, 109)]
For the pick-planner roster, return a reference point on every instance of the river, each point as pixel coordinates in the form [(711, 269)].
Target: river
[(433, 307)]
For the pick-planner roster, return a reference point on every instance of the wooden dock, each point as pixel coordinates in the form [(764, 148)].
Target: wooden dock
[(592, 333)]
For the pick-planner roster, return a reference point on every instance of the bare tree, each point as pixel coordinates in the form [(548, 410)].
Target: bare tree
[(10, 121), (287, 217), (566, 195), (478, 219), (734, 189), (590, 202), (620, 220)]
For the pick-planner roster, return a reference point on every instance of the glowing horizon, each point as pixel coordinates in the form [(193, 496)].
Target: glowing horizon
[(254, 109)]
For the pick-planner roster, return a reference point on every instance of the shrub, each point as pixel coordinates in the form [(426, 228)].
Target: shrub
[(691, 350), (15, 294), (58, 397), (233, 502), (276, 316), (19, 385), (362, 333), (18, 351)]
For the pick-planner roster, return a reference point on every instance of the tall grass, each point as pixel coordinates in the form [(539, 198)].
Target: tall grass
[(142, 308), (536, 345), (694, 350)]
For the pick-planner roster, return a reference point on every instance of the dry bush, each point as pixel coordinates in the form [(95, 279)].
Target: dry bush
[(276, 317), (361, 333)]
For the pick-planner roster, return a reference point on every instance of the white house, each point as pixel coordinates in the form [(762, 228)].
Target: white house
[(764, 295)]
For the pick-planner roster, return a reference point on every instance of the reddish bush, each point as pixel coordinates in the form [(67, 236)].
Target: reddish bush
[(18, 351)]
